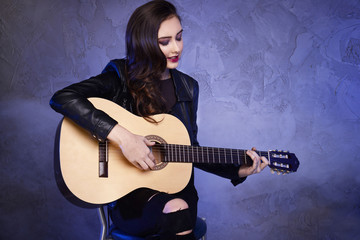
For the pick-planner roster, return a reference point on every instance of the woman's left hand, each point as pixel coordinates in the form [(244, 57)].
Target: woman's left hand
[(259, 163)]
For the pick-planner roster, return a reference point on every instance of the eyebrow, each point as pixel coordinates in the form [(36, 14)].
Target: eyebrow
[(170, 36)]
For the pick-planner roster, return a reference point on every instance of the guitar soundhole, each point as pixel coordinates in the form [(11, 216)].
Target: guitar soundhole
[(158, 151)]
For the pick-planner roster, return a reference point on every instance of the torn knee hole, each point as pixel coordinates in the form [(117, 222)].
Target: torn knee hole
[(175, 205)]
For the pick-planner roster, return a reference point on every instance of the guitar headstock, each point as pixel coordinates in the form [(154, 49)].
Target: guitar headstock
[(283, 162)]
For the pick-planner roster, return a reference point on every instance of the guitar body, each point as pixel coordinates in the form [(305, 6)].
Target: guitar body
[(79, 158)]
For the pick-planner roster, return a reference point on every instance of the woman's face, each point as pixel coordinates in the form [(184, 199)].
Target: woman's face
[(170, 41)]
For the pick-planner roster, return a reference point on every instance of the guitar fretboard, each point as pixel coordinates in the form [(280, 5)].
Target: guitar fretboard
[(193, 154)]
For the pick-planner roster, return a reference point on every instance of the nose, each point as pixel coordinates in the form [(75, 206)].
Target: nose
[(175, 47)]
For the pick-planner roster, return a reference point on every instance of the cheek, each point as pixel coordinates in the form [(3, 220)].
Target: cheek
[(181, 45), (163, 50)]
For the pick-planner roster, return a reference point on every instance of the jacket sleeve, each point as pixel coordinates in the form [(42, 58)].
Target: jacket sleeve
[(194, 108), (72, 102)]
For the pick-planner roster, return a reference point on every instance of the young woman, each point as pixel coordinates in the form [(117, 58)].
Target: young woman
[(145, 83)]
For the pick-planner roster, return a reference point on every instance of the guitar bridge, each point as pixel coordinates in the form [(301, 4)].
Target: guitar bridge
[(103, 159)]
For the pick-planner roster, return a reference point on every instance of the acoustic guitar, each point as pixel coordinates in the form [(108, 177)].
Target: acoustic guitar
[(98, 173)]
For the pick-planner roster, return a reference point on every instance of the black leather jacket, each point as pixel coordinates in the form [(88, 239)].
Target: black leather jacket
[(110, 84)]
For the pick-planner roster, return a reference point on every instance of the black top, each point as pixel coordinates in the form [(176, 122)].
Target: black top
[(167, 91)]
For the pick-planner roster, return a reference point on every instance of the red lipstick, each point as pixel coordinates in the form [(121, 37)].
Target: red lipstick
[(174, 59)]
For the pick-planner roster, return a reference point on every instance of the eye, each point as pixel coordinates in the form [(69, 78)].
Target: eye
[(164, 42), (179, 37)]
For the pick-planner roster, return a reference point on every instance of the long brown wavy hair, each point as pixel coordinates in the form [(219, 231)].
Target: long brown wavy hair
[(145, 60)]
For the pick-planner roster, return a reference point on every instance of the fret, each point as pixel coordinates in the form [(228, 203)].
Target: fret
[(169, 152), (186, 159), (224, 155), (181, 160), (219, 155), (188, 153), (184, 153), (245, 157), (179, 152), (192, 154), (214, 155), (174, 153), (232, 160), (171, 155), (207, 154), (197, 154), (165, 153), (202, 155), (238, 157), (213, 159)]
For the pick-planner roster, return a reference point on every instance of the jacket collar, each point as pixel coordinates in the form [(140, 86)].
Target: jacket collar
[(182, 89)]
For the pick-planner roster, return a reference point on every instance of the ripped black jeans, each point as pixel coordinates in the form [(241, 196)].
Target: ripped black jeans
[(154, 224)]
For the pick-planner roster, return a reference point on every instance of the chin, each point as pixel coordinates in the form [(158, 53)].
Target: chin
[(172, 65)]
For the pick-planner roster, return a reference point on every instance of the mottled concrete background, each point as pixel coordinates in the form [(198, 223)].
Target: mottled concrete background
[(273, 74)]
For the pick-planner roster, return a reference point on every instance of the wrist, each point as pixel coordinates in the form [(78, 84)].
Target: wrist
[(118, 134)]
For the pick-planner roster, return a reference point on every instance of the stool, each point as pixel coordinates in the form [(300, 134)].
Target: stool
[(110, 232)]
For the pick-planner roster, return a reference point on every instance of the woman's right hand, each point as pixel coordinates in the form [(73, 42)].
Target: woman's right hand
[(134, 147)]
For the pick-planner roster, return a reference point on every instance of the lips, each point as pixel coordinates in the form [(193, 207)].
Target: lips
[(174, 59)]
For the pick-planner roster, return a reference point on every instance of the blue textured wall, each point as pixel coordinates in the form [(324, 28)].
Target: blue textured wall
[(273, 74)]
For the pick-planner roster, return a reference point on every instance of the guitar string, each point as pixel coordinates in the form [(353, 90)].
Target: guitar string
[(219, 152), (196, 148), (187, 148), (216, 151)]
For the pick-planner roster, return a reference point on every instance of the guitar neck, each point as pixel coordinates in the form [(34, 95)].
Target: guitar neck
[(213, 155)]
